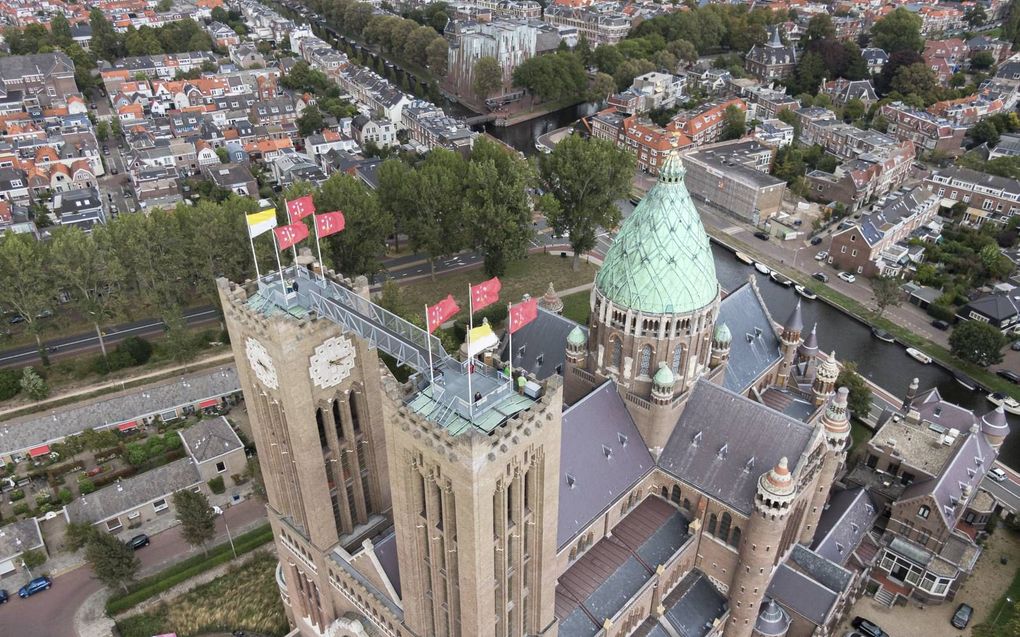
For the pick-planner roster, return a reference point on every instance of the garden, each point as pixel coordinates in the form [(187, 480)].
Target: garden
[(255, 605)]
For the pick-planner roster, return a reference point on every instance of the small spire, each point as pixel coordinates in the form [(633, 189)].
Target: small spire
[(994, 422), (550, 300), (672, 170), (810, 344), (776, 40), (796, 321)]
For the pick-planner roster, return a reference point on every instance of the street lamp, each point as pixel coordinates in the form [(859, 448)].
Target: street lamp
[(229, 538), (24, 565)]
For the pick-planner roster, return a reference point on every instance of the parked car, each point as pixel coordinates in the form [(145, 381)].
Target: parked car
[(997, 474), (4, 596), (1009, 375), (846, 276), (939, 324), (821, 255), (962, 616), (17, 318), (138, 541), (816, 240), (1015, 346), (867, 627), (33, 587), (764, 236), (821, 276)]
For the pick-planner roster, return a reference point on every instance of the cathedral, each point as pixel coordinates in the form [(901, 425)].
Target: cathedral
[(663, 471)]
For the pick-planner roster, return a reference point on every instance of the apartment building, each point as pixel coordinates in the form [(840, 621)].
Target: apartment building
[(706, 125), (649, 143), (598, 27), (929, 133), (988, 197), (734, 176)]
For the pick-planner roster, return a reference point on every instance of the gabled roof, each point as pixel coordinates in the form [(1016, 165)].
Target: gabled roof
[(602, 455), (846, 519), (755, 344), (540, 346), (713, 448), (802, 594), (210, 438), (133, 492)]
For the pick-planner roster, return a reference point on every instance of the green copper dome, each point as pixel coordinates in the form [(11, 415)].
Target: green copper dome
[(722, 334), (576, 336), (664, 377), (661, 261)]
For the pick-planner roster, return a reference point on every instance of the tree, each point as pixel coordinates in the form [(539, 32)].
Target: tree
[(736, 122), (684, 51), (885, 292), (60, 31), (396, 194), (33, 558), (554, 77), (984, 132), (854, 109), (899, 30), (26, 284), (585, 178), (88, 268), (179, 344), (976, 16), (102, 131), (859, 399), (436, 53), (34, 385), (982, 60), (497, 204), (223, 154), (78, 534), (10, 384), (487, 76), (916, 79), (438, 226), (977, 342), (601, 88), (356, 250), (113, 562), (819, 29), (311, 121), (198, 521), (105, 42)]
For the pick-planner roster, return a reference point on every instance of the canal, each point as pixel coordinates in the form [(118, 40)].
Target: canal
[(522, 136), (886, 364)]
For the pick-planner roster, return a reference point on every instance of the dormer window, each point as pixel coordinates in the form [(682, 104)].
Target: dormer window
[(924, 512)]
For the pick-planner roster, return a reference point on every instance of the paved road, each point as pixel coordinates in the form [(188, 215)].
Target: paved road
[(1006, 492), (89, 342), (51, 613)]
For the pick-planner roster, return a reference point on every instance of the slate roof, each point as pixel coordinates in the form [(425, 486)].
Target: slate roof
[(133, 492), (714, 449), (599, 583), (18, 537), (828, 573), (15, 67), (845, 521), (997, 307), (755, 344), (386, 553), (802, 594), (29, 431), (210, 438), (540, 346), (589, 480), (693, 607)]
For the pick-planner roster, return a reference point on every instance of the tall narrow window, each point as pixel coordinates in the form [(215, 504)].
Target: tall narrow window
[(678, 353), (711, 524), (355, 416), (337, 420), (675, 495), (646, 360), (320, 423), (735, 537), (616, 353), (724, 527)]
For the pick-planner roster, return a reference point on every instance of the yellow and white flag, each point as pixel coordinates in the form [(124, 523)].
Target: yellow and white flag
[(481, 338), (260, 222)]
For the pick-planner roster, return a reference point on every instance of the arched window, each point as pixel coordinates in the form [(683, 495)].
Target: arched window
[(615, 352), (321, 424), (646, 360), (711, 524), (724, 527), (678, 354), (735, 537), (923, 511), (687, 504), (675, 495), (665, 493), (336, 420), (355, 416)]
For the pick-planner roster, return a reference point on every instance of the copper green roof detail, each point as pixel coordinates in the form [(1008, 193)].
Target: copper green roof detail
[(576, 336), (664, 377), (661, 261), (722, 334)]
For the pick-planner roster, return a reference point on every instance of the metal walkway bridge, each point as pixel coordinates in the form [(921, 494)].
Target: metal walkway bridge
[(448, 401)]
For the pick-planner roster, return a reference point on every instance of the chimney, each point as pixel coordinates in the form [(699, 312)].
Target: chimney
[(911, 394)]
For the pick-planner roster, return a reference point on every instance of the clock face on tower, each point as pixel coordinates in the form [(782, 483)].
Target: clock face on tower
[(332, 362), (261, 363)]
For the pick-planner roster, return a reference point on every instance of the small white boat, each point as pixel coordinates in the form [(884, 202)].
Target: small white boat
[(764, 269), (804, 292), (743, 258), (780, 279), (882, 335), (1006, 402), (918, 355)]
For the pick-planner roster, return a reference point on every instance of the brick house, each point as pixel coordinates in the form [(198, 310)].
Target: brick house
[(929, 133), (987, 196)]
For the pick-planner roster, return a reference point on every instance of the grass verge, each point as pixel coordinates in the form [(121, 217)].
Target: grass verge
[(181, 571), (1003, 612), (576, 307), (254, 606)]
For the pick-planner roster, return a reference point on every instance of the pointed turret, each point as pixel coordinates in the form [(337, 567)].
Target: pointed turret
[(772, 621), (721, 340), (995, 427), (776, 41), (809, 348), (551, 301), (794, 325), (825, 379)]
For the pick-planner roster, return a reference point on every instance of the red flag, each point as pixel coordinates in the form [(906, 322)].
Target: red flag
[(286, 236), (485, 294), (300, 208), (329, 223), (522, 314), (436, 315)]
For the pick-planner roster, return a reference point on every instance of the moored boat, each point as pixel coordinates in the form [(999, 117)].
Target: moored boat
[(804, 292), (918, 355), (1007, 403), (965, 380), (882, 335), (780, 279), (761, 267), (743, 258)]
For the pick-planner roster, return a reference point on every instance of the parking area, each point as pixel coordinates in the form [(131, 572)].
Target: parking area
[(981, 591)]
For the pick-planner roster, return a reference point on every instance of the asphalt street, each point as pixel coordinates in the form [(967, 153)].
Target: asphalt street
[(51, 613)]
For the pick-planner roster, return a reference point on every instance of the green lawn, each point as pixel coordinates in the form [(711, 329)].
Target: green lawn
[(1003, 613), (577, 307), (254, 606), (527, 276)]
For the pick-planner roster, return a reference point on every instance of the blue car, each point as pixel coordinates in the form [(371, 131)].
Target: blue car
[(33, 587), (3, 596)]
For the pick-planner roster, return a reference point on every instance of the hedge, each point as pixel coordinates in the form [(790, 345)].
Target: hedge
[(185, 570)]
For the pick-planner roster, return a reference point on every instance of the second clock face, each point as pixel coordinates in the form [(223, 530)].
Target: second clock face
[(261, 363), (332, 362)]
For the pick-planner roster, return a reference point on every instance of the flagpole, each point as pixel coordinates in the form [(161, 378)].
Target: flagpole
[(286, 206), (276, 249), (428, 337), (510, 345), (471, 326), (251, 240), (322, 267)]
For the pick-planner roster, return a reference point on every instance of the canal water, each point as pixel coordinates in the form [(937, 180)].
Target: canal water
[(522, 136), (886, 364)]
